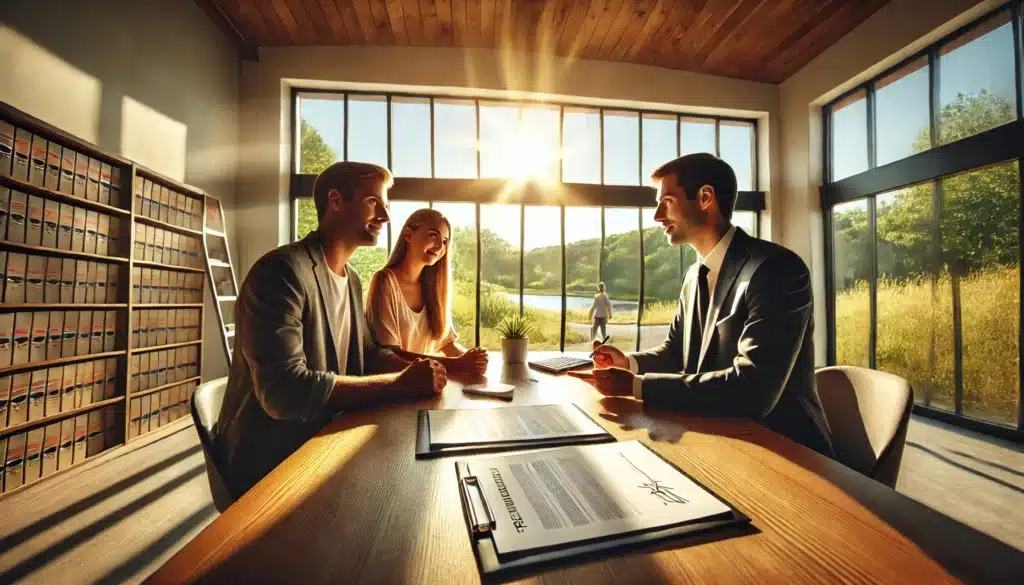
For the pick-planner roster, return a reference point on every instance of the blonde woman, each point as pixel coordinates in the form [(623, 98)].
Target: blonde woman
[(409, 305)]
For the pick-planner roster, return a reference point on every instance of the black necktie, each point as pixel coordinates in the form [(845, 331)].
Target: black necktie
[(699, 318)]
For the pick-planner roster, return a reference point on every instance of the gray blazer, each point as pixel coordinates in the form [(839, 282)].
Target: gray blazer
[(284, 361), (757, 356)]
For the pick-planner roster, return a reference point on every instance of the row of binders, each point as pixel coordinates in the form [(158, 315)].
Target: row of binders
[(167, 366), (153, 285), (162, 203), (51, 279), (38, 221), (155, 410), (39, 452), (45, 163), (39, 336), (29, 396), (154, 327), (153, 244)]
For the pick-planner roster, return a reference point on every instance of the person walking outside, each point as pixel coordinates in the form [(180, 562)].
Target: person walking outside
[(600, 312)]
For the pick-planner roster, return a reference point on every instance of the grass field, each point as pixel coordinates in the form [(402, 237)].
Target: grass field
[(915, 338)]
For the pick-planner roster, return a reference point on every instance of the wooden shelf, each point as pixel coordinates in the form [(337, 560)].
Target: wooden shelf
[(60, 361), (167, 386), (139, 350), (229, 333), (25, 187), (169, 182), (167, 306), (59, 306), (28, 249), (227, 298), (168, 226), (50, 132), (213, 232), (60, 416), (155, 434), (161, 265)]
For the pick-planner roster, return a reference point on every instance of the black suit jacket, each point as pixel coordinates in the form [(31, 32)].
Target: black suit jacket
[(284, 361), (757, 355)]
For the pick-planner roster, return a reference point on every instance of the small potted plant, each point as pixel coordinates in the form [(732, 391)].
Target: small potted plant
[(515, 337)]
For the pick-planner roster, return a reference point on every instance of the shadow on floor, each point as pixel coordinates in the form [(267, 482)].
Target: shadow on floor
[(966, 468), (1011, 470), (52, 553)]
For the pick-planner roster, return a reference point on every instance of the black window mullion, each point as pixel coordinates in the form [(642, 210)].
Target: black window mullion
[(522, 255), (640, 305), (718, 137), (1020, 314), (873, 311), (933, 96), (388, 120), (479, 248), (344, 122), (561, 341), (872, 147), (432, 171)]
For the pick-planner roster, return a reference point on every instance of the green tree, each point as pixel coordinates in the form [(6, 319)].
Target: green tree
[(314, 154)]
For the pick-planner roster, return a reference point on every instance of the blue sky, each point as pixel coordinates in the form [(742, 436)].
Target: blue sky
[(902, 107)]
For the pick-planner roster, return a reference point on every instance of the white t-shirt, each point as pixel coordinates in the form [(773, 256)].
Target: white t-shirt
[(602, 306), (337, 300)]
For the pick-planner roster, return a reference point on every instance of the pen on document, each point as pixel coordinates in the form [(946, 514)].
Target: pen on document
[(599, 346)]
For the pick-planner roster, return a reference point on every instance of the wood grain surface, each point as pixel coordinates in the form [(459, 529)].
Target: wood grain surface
[(353, 505)]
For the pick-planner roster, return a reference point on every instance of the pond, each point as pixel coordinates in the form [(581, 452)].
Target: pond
[(554, 302)]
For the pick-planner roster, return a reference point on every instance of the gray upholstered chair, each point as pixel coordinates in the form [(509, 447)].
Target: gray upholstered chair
[(868, 412), (206, 402)]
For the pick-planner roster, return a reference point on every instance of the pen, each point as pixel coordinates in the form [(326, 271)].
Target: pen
[(599, 346)]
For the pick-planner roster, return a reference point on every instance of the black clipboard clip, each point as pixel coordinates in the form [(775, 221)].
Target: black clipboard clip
[(474, 502)]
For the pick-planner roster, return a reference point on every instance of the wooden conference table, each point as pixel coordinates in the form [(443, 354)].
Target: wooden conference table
[(353, 505)]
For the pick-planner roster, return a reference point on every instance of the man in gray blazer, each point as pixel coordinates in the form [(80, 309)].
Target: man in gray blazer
[(741, 343), (303, 351)]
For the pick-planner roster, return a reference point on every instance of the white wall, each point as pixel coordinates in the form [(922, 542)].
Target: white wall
[(265, 106), (898, 30), (152, 80)]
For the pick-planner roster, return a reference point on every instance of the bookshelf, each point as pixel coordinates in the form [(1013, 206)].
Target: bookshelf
[(102, 266)]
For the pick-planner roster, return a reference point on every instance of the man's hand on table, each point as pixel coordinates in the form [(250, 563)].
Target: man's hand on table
[(608, 381)]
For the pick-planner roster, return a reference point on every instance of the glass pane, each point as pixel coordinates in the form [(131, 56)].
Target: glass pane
[(697, 135), (581, 146), (368, 129), (542, 275), (976, 81), (499, 262), (462, 216), (410, 137), (621, 273), (850, 136), (737, 146), (852, 265), (400, 212), (915, 310), (747, 221), (499, 125), (454, 139), (582, 270), (662, 282), (980, 248), (621, 148), (537, 150), (659, 142), (901, 113), (306, 217), (321, 131)]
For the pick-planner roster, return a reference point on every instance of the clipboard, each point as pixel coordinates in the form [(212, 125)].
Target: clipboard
[(481, 520), (424, 451)]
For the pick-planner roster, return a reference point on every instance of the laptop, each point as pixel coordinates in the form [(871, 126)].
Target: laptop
[(560, 364)]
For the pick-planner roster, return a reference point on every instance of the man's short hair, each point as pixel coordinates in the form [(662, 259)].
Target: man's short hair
[(693, 171), (346, 177)]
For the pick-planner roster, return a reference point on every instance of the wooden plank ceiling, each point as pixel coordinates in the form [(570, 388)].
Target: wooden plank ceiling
[(757, 40)]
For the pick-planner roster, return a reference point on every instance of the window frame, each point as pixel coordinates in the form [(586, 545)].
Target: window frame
[(492, 190), (1001, 144)]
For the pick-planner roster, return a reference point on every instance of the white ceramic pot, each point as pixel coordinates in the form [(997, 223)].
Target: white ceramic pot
[(513, 351)]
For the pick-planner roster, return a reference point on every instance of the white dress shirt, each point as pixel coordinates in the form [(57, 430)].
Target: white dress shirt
[(713, 261)]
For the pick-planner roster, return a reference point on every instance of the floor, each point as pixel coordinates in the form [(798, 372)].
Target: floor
[(128, 515)]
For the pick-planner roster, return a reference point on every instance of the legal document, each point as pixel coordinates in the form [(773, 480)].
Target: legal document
[(509, 424), (571, 494)]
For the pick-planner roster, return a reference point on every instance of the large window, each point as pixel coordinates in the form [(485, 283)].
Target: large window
[(534, 227), (925, 253)]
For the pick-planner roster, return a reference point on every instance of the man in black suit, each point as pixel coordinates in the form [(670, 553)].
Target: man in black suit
[(741, 343)]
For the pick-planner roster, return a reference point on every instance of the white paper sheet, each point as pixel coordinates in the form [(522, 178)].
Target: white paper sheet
[(512, 423), (570, 494)]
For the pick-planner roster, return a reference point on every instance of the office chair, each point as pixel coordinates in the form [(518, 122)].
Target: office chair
[(868, 412), (206, 401)]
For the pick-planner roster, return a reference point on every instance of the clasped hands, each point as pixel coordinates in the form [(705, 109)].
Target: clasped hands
[(610, 375), (427, 377)]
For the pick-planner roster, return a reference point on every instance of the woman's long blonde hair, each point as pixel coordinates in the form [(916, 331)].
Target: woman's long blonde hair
[(433, 280)]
